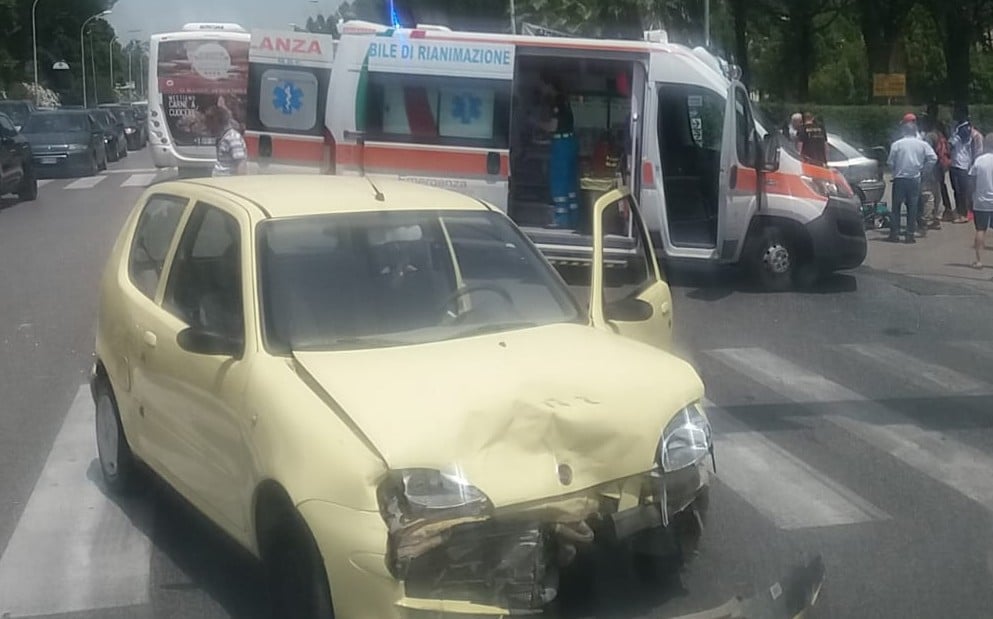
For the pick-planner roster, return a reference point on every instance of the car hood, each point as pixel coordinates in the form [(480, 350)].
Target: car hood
[(56, 139), (506, 410)]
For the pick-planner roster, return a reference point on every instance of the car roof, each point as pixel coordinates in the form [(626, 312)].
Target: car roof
[(296, 195)]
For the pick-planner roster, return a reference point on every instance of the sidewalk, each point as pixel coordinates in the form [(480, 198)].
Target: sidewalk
[(944, 254)]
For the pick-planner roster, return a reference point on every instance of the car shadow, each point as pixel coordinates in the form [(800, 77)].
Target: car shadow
[(717, 282), (205, 559)]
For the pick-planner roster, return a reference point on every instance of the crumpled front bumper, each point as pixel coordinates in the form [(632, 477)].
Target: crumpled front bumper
[(508, 563)]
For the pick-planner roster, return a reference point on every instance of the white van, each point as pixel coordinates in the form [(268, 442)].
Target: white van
[(454, 109)]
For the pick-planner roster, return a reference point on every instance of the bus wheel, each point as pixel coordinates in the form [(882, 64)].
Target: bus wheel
[(774, 260)]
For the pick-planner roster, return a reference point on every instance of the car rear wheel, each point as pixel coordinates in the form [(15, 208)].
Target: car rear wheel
[(298, 583), (113, 155), (94, 166), (28, 191), (117, 464), (102, 163)]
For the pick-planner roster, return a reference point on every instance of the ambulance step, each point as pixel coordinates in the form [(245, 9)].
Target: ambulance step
[(570, 247)]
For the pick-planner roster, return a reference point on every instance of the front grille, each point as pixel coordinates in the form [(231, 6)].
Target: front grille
[(506, 564)]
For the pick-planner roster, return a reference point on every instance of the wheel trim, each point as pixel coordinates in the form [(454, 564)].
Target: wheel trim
[(107, 435), (776, 259)]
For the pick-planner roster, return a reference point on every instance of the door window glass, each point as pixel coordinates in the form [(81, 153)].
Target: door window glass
[(204, 287), (431, 110), (7, 128), (288, 99), (153, 235), (627, 270), (745, 126), (835, 155)]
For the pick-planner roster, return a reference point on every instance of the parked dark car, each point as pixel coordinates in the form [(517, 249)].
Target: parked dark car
[(114, 135), (66, 143), (17, 111), (862, 172), (135, 132), (16, 167)]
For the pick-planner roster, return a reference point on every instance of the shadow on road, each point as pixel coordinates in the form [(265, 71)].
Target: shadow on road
[(716, 282), (205, 559)]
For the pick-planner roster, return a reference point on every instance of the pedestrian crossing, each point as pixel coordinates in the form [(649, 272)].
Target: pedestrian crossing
[(97, 550), (118, 178), (794, 495)]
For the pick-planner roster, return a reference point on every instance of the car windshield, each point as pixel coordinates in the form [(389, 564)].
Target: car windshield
[(55, 123), (368, 280), (18, 112)]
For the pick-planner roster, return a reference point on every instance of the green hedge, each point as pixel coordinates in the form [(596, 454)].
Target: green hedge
[(870, 125)]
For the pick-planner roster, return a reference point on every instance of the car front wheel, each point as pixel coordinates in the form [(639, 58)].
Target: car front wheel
[(117, 463), (298, 582)]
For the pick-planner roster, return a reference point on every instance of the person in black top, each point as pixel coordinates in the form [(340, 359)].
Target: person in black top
[(813, 141), (563, 169)]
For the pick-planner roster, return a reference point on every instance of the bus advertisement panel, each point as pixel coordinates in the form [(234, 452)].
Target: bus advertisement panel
[(195, 75)]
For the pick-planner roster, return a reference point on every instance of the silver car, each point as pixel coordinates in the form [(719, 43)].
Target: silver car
[(863, 173)]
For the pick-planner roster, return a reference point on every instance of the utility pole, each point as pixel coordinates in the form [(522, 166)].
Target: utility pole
[(82, 51), (513, 18), (706, 23), (110, 55)]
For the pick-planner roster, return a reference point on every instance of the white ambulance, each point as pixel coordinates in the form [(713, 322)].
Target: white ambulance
[(457, 110)]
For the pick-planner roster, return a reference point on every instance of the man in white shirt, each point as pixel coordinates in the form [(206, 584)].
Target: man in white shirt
[(908, 159), (982, 204)]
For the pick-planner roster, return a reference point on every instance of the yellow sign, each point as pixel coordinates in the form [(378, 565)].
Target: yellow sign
[(889, 85)]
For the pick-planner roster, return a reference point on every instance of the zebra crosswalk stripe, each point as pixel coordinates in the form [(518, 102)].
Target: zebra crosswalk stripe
[(780, 486), (139, 180), (898, 362), (934, 454), (87, 182)]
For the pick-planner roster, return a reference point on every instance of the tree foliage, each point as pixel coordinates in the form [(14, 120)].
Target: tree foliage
[(58, 33), (799, 50)]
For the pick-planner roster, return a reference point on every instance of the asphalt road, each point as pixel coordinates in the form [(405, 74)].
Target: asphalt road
[(852, 422)]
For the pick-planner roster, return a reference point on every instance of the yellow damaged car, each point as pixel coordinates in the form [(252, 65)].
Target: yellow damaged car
[(386, 393)]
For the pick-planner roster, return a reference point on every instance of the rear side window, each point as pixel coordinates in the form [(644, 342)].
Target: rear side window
[(152, 238), (430, 110)]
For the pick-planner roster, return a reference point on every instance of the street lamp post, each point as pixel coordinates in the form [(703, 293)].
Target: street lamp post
[(34, 43), (110, 55), (82, 50)]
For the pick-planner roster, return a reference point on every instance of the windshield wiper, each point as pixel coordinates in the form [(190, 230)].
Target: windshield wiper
[(346, 343), (495, 327)]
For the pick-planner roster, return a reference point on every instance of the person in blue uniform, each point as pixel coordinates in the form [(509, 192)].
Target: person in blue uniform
[(563, 169)]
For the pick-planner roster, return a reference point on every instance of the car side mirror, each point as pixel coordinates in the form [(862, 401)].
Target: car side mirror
[(770, 153), (201, 342), (628, 310)]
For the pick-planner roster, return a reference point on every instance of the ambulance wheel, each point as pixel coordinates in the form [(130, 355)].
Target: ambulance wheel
[(774, 260)]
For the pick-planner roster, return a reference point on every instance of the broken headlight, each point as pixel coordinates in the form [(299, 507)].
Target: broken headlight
[(686, 440), (416, 494)]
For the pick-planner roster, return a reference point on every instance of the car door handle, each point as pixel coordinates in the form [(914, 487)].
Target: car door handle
[(150, 339)]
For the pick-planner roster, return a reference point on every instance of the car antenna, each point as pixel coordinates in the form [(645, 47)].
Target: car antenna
[(359, 137)]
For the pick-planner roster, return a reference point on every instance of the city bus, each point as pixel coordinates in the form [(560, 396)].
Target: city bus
[(204, 65)]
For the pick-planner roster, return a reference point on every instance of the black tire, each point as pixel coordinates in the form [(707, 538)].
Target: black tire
[(122, 149), (113, 156), (774, 260), (94, 166), (28, 192), (118, 466), (297, 580), (102, 164)]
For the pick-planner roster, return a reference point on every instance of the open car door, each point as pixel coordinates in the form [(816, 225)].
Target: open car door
[(628, 295), (738, 185)]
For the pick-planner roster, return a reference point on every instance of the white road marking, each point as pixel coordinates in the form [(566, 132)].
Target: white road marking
[(132, 170), (140, 180), (74, 549), (936, 455), (87, 182), (915, 370), (44, 181), (783, 488)]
